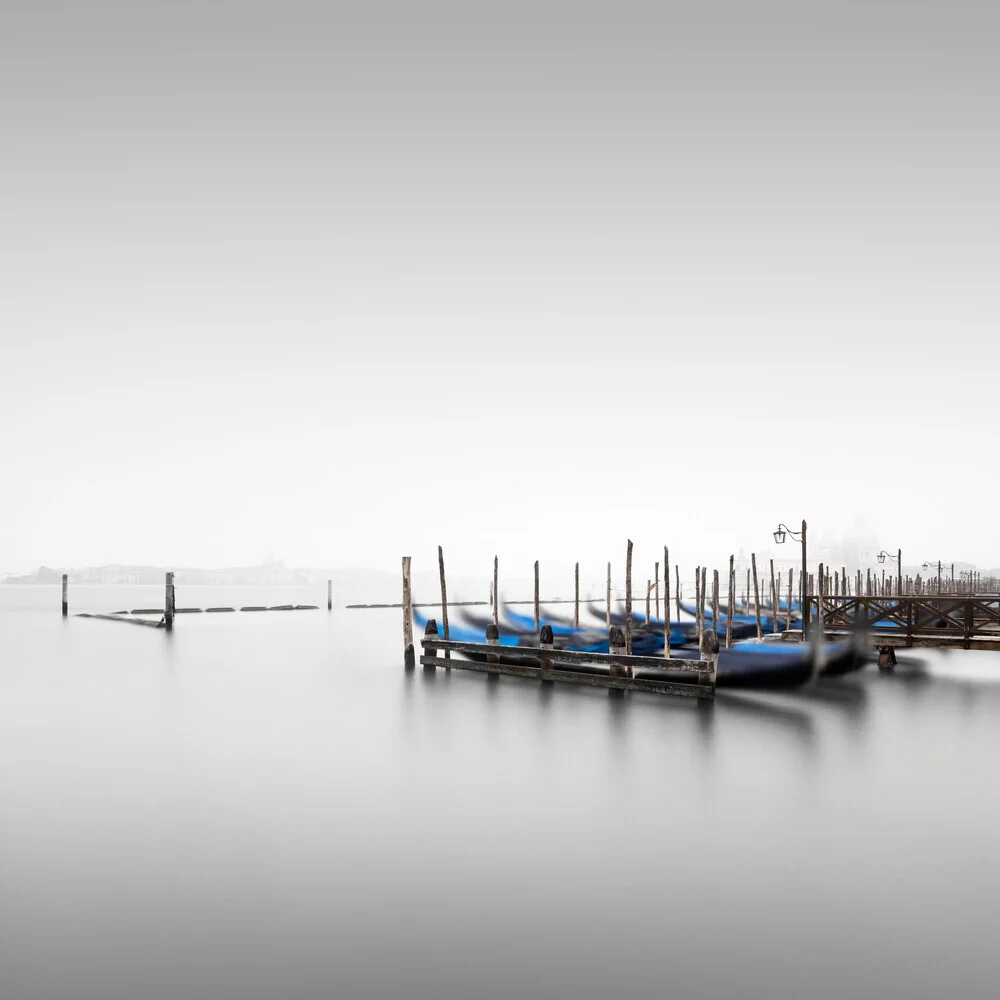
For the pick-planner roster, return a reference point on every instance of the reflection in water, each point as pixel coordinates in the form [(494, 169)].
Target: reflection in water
[(260, 800)]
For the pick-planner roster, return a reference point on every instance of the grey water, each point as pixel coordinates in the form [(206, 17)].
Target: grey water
[(270, 805)]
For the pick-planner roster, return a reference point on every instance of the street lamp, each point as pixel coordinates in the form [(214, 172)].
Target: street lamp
[(898, 560), (930, 565), (780, 534)]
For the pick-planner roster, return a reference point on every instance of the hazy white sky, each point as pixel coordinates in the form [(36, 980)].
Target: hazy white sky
[(340, 282)]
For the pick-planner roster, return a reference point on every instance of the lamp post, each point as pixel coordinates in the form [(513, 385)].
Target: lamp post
[(928, 565), (780, 535), (898, 560)]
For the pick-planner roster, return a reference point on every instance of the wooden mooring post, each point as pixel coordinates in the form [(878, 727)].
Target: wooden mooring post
[(656, 574), (329, 595), (538, 617), (546, 644), (168, 601), (704, 596), (607, 613), (697, 601), (628, 599), (729, 605), (774, 602), (715, 600), (756, 593), (576, 596), (65, 594), (493, 639), (444, 600), (666, 603), (496, 598), (408, 656)]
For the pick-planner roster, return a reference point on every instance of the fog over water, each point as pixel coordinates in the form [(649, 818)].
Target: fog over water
[(332, 283), (271, 805), (276, 272)]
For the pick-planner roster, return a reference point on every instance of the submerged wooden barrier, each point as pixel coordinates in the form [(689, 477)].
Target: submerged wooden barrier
[(128, 621), (615, 669)]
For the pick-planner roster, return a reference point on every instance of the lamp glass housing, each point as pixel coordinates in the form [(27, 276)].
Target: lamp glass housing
[(779, 537)]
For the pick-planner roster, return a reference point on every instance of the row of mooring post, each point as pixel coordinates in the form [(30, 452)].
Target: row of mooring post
[(832, 584)]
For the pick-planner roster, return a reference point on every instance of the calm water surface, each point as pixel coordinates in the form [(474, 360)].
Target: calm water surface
[(271, 806)]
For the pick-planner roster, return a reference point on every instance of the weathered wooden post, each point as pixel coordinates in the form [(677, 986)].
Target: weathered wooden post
[(729, 605), (666, 603), (746, 599), (628, 598), (656, 574), (788, 610), (329, 595), (939, 577), (709, 649), (65, 594), (407, 615), (168, 601), (819, 603), (576, 597), (616, 647), (493, 639), (538, 617), (444, 601), (774, 602), (607, 613), (496, 596), (697, 602), (431, 629), (715, 600), (649, 587), (704, 595), (545, 657), (756, 593)]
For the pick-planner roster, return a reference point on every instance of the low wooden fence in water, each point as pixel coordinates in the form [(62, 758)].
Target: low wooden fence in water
[(616, 669), (955, 622)]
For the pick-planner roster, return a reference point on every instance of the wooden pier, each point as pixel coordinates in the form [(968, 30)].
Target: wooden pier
[(616, 670), (955, 622)]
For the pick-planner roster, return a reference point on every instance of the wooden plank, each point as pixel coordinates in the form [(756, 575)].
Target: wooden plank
[(569, 677), (579, 656)]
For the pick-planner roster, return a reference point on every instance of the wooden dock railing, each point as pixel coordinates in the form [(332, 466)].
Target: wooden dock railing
[(957, 622)]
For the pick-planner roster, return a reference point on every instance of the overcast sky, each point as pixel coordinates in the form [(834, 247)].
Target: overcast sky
[(340, 282)]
